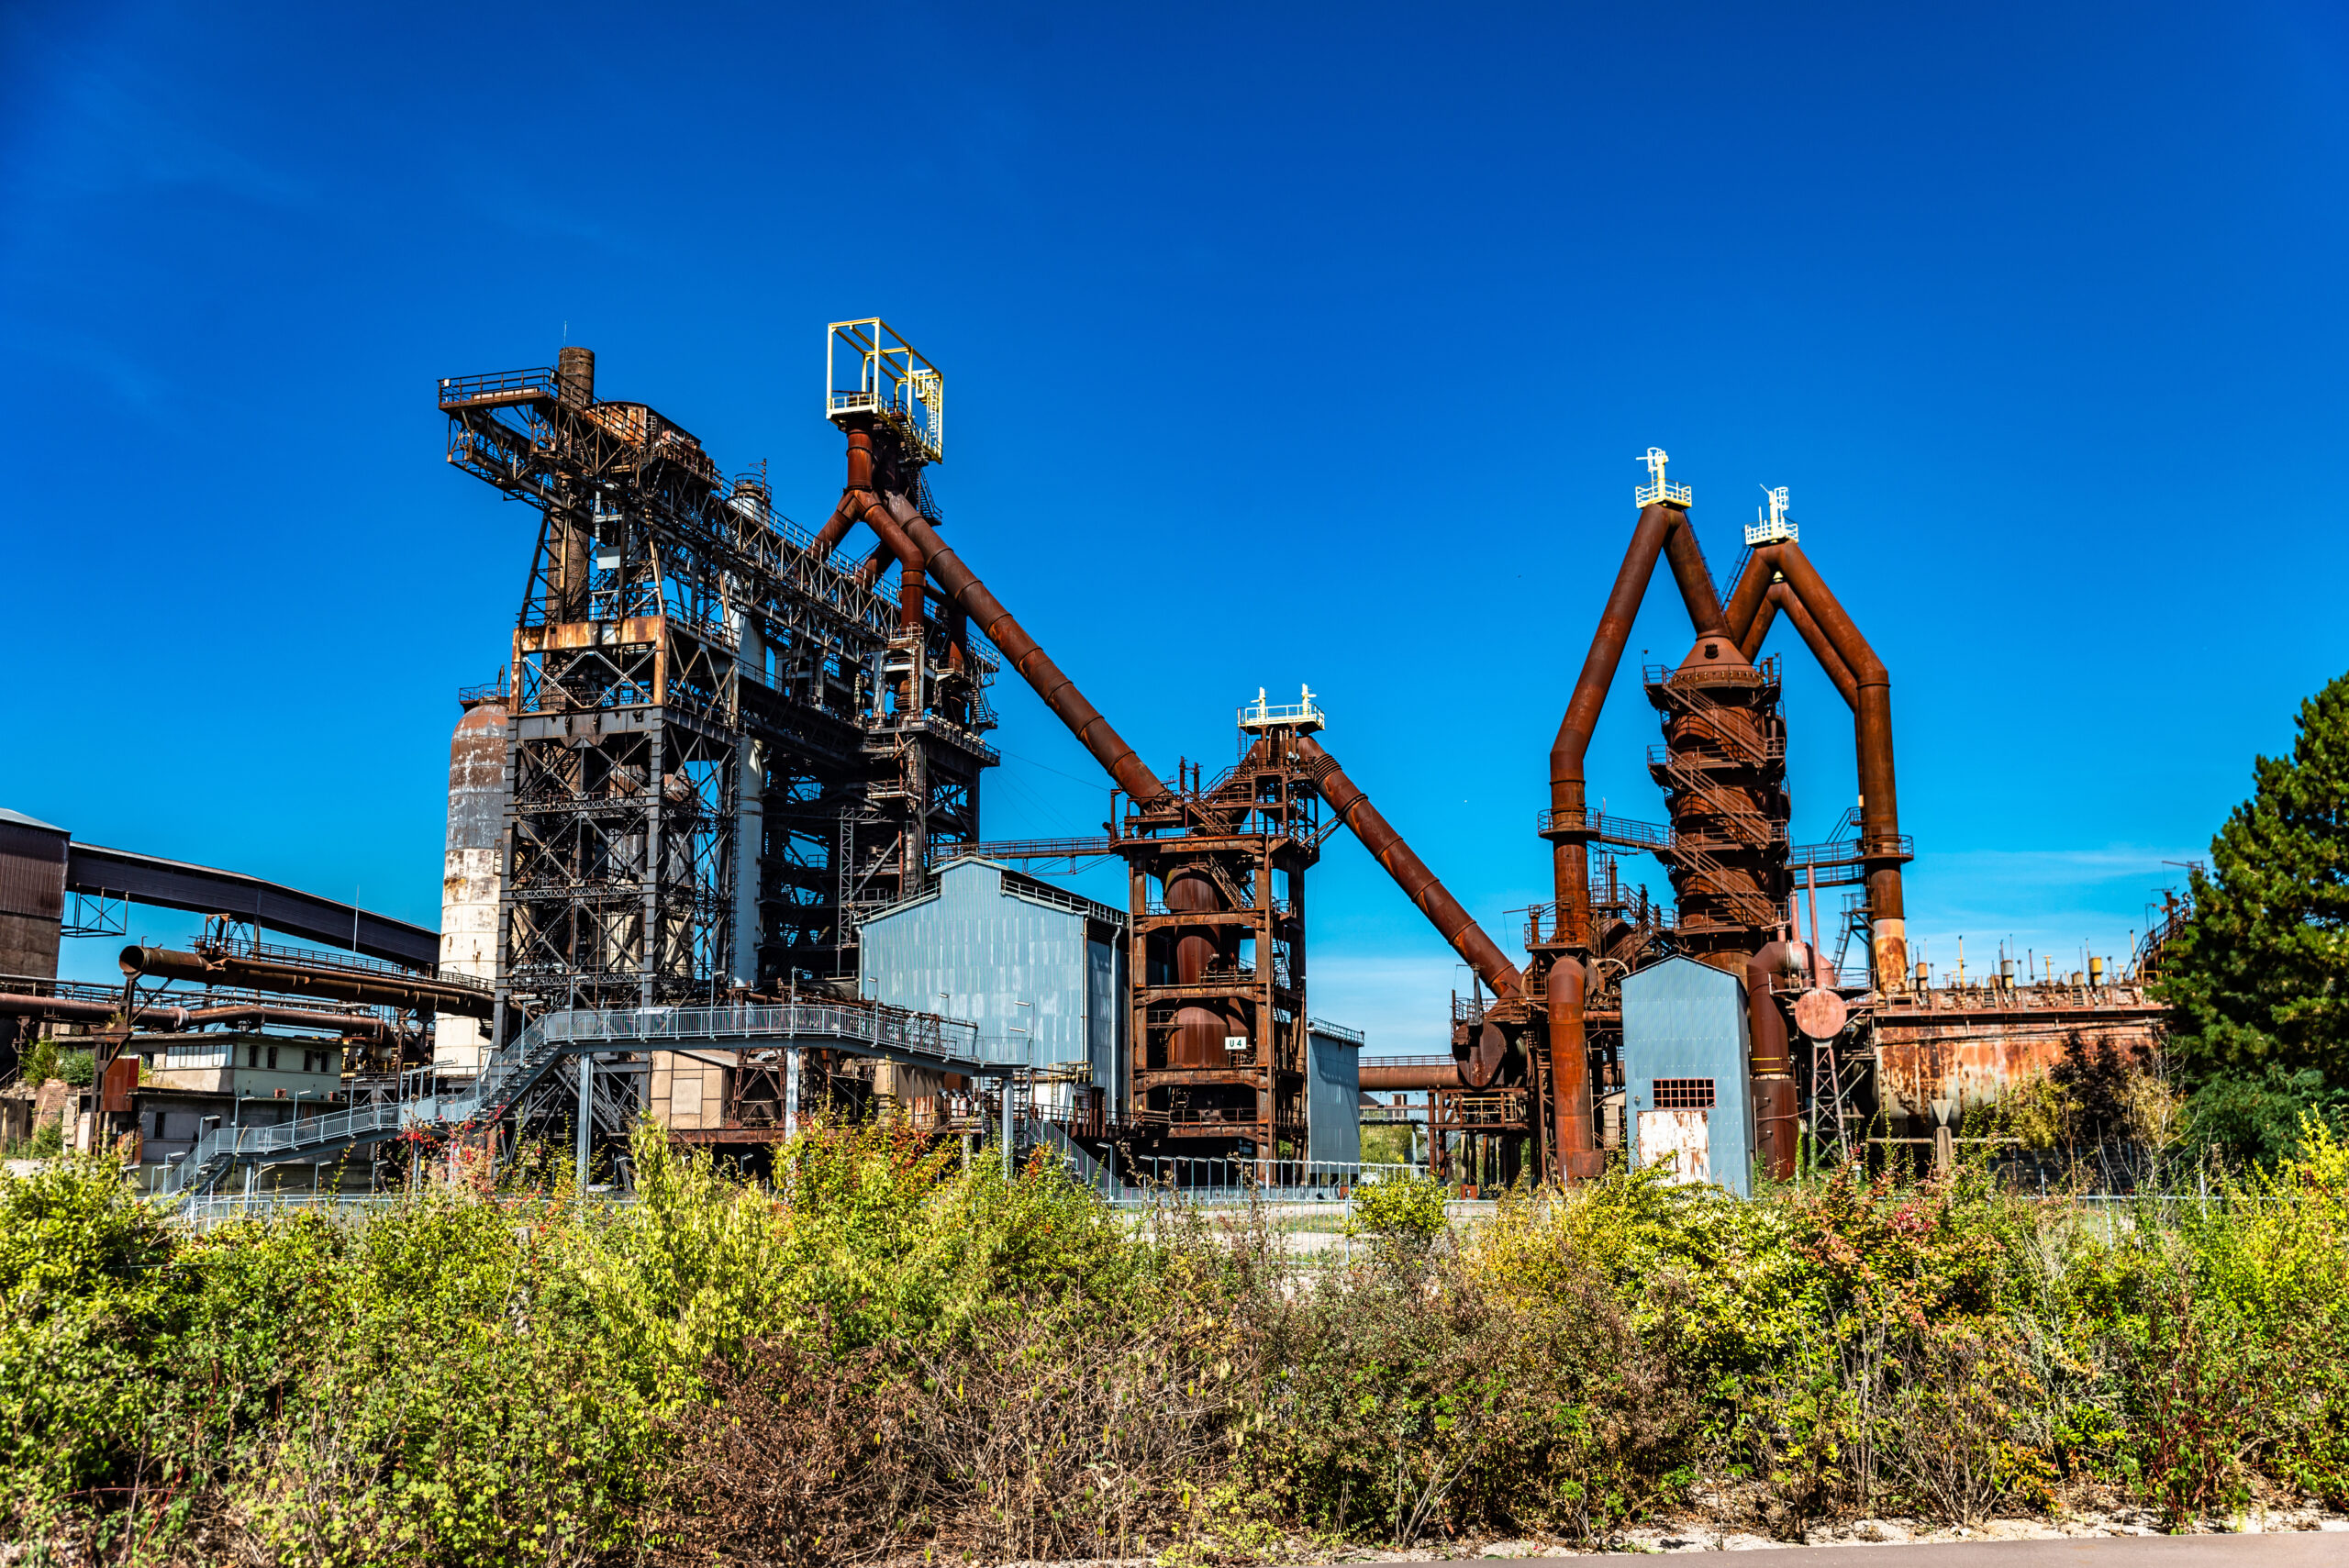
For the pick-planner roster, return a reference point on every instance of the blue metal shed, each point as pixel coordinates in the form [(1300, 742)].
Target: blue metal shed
[(1332, 1094), (1685, 1070), (1009, 953)]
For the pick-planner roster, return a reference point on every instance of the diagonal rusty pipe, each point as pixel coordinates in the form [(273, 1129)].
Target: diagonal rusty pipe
[(1410, 873), (1662, 529), (1872, 727), (1747, 598), (969, 595), (1782, 597)]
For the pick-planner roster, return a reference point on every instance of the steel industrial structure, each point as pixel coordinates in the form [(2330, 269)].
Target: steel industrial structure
[(726, 743), (723, 744)]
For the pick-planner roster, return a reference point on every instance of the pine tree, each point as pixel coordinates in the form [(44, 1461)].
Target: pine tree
[(2260, 974)]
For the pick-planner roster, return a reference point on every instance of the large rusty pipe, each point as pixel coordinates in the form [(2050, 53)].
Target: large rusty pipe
[(68, 1009), (1880, 798), (853, 495), (1696, 592), (1373, 1077), (1757, 630), (1771, 1068), (1579, 1157), (1815, 637), (963, 589), (885, 521), (835, 526), (1746, 599), (292, 978), (1570, 863), (1410, 873)]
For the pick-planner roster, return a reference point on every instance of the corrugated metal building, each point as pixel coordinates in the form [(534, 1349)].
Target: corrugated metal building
[(1009, 953), (32, 895), (1684, 1069), (1333, 1093)]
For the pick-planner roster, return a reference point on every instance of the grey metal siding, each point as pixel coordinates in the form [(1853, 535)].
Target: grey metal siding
[(1333, 1099), (977, 949), (1686, 1019), (1104, 1017)]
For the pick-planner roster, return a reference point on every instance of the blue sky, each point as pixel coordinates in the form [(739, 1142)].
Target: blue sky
[(1284, 344)]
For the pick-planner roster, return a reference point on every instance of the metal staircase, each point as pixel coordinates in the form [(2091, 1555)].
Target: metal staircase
[(857, 1028)]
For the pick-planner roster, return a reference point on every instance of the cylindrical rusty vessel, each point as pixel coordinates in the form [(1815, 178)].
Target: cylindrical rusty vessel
[(1200, 1027), (1775, 1123), (575, 375)]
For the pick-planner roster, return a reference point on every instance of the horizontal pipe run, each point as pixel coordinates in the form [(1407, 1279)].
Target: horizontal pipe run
[(1410, 873), (68, 1009), (1372, 1077), (354, 1025), (289, 978)]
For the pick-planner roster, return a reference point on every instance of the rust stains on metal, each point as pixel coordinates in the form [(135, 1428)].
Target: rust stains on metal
[(1964, 1047)]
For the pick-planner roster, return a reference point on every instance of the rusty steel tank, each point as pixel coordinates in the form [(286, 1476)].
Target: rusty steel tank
[(1722, 767), (1200, 1027), (471, 871)]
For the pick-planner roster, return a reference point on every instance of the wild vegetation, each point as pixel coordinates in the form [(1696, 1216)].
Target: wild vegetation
[(2260, 973), (894, 1358)]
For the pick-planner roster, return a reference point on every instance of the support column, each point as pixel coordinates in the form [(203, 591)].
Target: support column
[(586, 1117)]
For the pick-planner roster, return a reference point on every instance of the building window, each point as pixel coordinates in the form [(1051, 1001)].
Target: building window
[(159, 1124), (1684, 1094), (273, 1062), (253, 1056)]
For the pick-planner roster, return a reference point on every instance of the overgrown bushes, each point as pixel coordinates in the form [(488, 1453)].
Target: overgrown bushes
[(898, 1359)]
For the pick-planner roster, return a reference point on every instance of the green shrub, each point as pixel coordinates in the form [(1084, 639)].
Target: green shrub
[(886, 1355), (1408, 1211)]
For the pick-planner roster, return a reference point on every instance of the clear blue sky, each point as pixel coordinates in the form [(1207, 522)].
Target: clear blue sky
[(1334, 332)]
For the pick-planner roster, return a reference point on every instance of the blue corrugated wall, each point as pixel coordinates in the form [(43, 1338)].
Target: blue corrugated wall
[(1686, 1019)]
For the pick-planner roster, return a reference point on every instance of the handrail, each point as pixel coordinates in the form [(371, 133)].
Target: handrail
[(514, 1067)]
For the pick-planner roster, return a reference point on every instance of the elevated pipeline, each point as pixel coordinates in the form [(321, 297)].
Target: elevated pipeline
[(75, 1010), (291, 977), (70, 1009), (1376, 1076)]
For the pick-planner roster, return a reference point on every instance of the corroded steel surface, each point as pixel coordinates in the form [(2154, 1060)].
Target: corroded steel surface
[(1966, 1047)]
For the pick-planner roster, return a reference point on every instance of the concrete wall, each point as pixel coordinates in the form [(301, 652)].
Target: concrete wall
[(688, 1089), (242, 1065), (1684, 1020), (472, 874)]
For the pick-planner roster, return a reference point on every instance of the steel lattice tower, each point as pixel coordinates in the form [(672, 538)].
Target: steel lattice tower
[(722, 744)]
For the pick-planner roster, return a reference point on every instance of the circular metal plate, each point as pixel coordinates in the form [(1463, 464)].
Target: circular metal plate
[(1820, 1014)]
